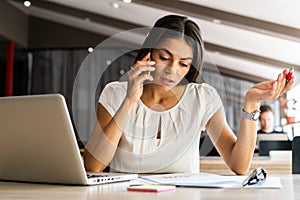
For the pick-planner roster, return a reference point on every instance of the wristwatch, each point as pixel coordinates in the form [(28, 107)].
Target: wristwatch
[(252, 116)]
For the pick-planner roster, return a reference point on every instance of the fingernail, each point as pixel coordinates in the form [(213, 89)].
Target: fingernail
[(152, 62)]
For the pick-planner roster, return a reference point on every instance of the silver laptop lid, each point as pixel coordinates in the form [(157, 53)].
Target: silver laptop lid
[(37, 141)]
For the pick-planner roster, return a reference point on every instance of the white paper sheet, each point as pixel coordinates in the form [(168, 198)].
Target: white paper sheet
[(206, 180)]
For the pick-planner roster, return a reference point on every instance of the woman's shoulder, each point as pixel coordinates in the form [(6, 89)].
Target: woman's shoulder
[(201, 87), (113, 92), (114, 89), (116, 85)]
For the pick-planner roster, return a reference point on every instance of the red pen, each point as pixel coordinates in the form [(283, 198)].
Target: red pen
[(289, 75)]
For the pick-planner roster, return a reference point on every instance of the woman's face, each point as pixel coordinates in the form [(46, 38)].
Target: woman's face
[(173, 58)]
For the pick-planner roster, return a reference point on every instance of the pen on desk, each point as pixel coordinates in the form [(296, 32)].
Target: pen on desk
[(142, 181)]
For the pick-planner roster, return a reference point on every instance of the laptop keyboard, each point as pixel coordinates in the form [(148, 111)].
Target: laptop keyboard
[(96, 175)]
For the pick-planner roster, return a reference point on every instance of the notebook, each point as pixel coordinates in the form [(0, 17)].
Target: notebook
[(38, 144)]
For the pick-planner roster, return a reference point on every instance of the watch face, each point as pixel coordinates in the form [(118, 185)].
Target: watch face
[(256, 115)]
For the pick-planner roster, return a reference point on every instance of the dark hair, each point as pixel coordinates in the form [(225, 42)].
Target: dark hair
[(265, 108), (174, 26)]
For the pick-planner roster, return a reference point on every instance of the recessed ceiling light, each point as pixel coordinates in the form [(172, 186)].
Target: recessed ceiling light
[(27, 3), (108, 62), (127, 1), (115, 5), (217, 21), (90, 49)]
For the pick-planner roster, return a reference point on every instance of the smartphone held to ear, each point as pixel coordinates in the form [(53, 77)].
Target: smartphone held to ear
[(149, 59)]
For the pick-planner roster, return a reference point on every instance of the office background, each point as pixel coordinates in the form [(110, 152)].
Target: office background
[(51, 41)]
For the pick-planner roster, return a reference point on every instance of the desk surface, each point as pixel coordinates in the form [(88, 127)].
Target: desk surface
[(118, 191), (216, 165)]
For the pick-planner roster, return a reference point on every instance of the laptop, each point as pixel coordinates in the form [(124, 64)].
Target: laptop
[(38, 143), (270, 137)]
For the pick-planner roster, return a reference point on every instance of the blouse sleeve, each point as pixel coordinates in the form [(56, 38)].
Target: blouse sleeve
[(112, 96), (212, 102)]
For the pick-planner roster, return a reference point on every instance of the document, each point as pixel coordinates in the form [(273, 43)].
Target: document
[(206, 180)]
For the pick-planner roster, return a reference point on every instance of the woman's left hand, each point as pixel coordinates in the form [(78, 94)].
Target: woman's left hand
[(269, 90)]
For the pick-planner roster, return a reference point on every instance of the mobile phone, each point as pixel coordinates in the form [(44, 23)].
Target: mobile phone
[(289, 75), (150, 59), (148, 72)]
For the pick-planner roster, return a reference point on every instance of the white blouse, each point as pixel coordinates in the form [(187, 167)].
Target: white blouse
[(177, 148)]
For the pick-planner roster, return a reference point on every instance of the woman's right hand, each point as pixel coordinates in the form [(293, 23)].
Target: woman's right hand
[(137, 75)]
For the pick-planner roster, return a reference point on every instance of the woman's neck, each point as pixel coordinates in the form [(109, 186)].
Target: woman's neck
[(158, 98)]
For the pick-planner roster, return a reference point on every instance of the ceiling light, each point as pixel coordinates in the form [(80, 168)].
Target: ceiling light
[(127, 1), (217, 21), (27, 3), (115, 5), (108, 62), (90, 49)]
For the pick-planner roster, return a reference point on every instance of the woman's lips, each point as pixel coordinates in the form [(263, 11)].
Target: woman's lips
[(167, 81)]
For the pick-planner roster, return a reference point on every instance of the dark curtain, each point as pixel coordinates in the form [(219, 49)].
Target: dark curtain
[(54, 71)]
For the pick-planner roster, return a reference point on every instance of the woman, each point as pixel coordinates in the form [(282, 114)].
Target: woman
[(152, 123)]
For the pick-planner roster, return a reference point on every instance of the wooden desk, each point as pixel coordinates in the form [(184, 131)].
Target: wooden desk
[(216, 165), (118, 191)]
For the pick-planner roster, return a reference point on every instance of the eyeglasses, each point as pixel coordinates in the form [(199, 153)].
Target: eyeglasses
[(258, 176)]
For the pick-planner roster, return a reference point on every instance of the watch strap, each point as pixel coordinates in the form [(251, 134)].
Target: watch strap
[(252, 116)]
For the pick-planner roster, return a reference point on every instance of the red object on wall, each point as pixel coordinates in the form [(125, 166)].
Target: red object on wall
[(9, 69)]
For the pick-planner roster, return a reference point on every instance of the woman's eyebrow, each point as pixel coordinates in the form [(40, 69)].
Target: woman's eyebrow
[(169, 52)]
